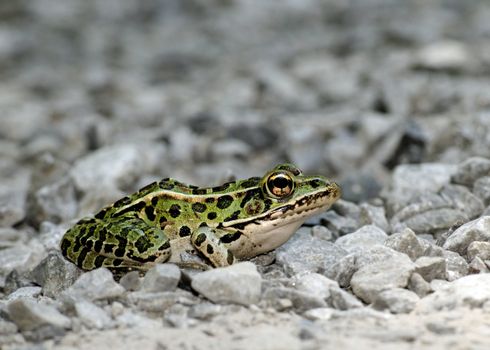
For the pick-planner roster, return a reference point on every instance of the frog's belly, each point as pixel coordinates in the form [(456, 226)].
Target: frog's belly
[(254, 243)]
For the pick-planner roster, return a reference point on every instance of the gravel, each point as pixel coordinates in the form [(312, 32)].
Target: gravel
[(390, 101)]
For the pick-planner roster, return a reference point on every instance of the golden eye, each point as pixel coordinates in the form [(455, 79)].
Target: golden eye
[(280, 184)]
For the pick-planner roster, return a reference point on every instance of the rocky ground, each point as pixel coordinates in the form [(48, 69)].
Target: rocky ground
[(389, 98)]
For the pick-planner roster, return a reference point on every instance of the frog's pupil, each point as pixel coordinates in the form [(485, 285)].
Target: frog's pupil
[(281, 182)]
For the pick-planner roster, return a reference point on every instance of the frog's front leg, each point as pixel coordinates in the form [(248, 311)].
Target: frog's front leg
[(206, 241), (125, 241)]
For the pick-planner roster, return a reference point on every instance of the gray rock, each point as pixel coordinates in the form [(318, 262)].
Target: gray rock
[(176, 316), (430, 248), (205, 311), (50, 235), (459, 197), (131, 281), (338, 224), (25, 292), (477, 265), (370, 280), (470, 291), (406, 242), (476, 230), (365, 237), (456, 266), (91, 315), (419, 285), (314, 284), (15, 280), (239, 283), (305, 253), (161, 278), (130, 319), (158, 302), (428, 213), (12, 210), (347, 209), (21, 257), (54, 274), (410, 181), (478, 249), (38, 321), (481, 189), (94, 285), (343, 270), (342, 300), (374, 215), (322, 232), (115, 166), (431, 267), (7, 327), (298, 300), (397, 300), (54, 202), (470, 170)]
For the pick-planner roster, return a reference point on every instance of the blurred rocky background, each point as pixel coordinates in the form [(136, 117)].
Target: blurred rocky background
[(391, 98)]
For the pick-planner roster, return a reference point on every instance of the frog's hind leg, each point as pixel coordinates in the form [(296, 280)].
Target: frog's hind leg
[(206, 241), (123, 242)]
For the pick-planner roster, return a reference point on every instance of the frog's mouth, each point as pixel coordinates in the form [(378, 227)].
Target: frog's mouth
[(297, 212), (274, 228)]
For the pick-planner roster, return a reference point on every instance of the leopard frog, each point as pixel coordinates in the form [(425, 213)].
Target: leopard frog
[(168, 219)]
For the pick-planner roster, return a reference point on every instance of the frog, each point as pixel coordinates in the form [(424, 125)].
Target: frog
[(168, 220)]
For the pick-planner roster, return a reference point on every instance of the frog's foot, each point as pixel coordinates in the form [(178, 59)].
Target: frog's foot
[(124, 242), (206, 241)]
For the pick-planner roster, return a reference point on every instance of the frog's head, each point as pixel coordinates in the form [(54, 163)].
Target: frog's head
[(279, 203)]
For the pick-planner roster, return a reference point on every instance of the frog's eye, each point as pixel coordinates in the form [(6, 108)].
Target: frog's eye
[(279, 184)]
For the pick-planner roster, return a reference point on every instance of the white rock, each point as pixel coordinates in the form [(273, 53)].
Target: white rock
[(470, 291), (321, 313), (444, 55), (239, 283)]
